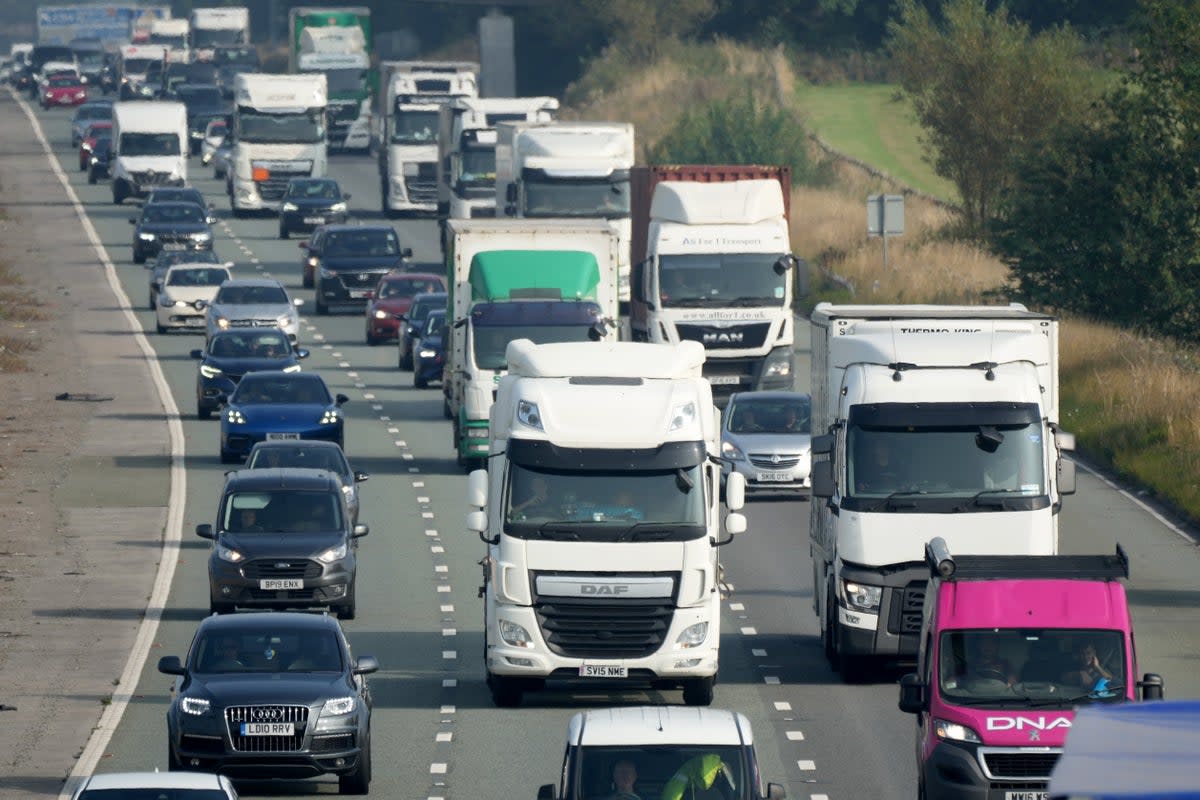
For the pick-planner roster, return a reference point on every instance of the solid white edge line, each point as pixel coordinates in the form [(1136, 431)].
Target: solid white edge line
[(103, 732), (1171, 526)]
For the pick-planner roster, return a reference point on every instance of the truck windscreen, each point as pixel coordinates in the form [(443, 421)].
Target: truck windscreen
[(138, 66), (478, 167), (563, 197), (721, 279), (414, 127), (1016, 668), (346, 81), (491, 341), (209, 37), (175, 42), (602, 504), (291, 128), (150, 144)]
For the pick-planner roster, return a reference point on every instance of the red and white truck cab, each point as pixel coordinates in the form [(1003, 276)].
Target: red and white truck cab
[(1011, 646)]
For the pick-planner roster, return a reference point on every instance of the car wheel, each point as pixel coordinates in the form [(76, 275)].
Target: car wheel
[(506, 692), (229, 458), (283, 231), (358, 781), (159, 327), (215, 607), (82, 165), (322, 309), (349, 609), (118, 193), (406, 360), (203, 412), (446, 408), (92, 177), (151, 302), (371, 340), (418, 381), (698, 691), (307, 280), (139, 257)]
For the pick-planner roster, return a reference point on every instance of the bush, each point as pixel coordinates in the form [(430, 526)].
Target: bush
[(741, 131)]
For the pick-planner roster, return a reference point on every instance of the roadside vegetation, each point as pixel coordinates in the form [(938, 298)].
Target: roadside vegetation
[(18, 307), (1129, 395)]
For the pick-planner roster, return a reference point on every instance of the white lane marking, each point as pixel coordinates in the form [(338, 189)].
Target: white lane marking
[(430, 532), (376, 407), (795, 736), (336, 354), (437, 768), (437, 548), (783, 705), (444, 736), (422, 500), (368, 395), (407, 456), (324, 346), (399, 443), (749, 631), (425, 514), (757, 653), (449, 655), (103, 732), (385, 419), (771, 680), (402, 443), (737, 607), (448, 709), (806, 766), (818, 797), (344, 364), (1171, 526), (449, 631), (414, 469), (393, 429), (450, 683), (360, 386), (443, 589), (318, 337), (448, 608), (441, 568)]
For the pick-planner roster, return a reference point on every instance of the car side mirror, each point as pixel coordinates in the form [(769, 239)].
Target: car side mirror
[(205, 531), (912, 694), (546, 792), (406, 252), (347, 196), (1151, 685), (197, 354), (776, 791), (170, 665), (359, 477), (360, 530), (211, 219), (365, 665), (302, 352), (341, 398), (133, 220), (822, 479)]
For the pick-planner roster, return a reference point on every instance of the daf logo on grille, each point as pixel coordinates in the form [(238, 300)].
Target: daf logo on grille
[(723, 337), (267, 714), (282, 565)]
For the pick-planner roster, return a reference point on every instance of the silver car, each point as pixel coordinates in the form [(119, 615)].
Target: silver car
[(253, 303), (766, 436)]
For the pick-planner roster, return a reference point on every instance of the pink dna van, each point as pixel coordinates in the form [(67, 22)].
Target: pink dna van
[(1011, 647)]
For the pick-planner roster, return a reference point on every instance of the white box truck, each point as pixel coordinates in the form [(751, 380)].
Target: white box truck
[(467, 150), (602, 520), (935, 421), (547, 280), (150, 147), (413, 94), (278, 134), (567, 169), (223, 26), (712, 262), (172, 33)]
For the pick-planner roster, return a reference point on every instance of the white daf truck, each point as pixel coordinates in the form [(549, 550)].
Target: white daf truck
[(934, 421), (467, 150), (713, 263), (602, 520), (150, 147), (413, 94), (278, 134), (567, 169), (548, 280)]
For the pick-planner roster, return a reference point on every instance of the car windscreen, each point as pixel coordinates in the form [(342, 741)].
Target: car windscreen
[(181, 212), (228, 651), (149, 144), (252, 295), (408, 287), (260, 344), (95, 112), (65, 82), (420, 309), (283, 511), (361, 243), (414, 127), (285, 389), (710, 771), (198, 276), (298, 455), (771, 415), (182, 256), (314, 190)]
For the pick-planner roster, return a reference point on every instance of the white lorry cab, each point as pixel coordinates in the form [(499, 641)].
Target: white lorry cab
[(664, 752), (414, 93), (567, 169), (134, 63), (278, 134), (935, 421), (467, 150), (213, 27), (340, 53), (601, 515), (173, 34), (150, 147)]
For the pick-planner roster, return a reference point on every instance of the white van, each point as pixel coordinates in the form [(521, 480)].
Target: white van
[(150, 147)]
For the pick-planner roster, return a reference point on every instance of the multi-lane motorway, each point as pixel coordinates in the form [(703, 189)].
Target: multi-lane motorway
[(436, 733)]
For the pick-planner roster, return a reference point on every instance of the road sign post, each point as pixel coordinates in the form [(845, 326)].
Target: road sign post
[(885, 218)]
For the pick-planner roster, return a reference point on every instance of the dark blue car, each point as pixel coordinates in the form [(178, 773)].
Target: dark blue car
[(429, 350), (231, 354), (269, 406)]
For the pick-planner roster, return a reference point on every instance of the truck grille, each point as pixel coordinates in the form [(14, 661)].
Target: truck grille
[(586, 628), (276, 568), (343, 113), (774, 461), (1018, 765), (278, 175), (422, 188), (236, 715), (908, 604), (734, 337)]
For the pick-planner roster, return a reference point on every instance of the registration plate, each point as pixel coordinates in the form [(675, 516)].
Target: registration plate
[(268, 729), (195, 322), (603, 671), (174, 246), (359, 293), (314, 220), (724, 380), (774, 477), (271, 437), (1026, 795), (279, 584)]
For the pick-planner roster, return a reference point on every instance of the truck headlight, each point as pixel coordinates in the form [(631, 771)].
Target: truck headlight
[(514, 635), (954, 732), (692, 636), (528, 414), (683, 414), (338, 706), (779, 363), (333, 554), (731, 452), (229, 554), (195, 706), (864, 598), (290, 207)]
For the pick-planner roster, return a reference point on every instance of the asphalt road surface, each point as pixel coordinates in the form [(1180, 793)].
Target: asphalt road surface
[(435, 731)]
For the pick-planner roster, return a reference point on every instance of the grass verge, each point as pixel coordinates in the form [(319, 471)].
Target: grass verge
[(18, 306)]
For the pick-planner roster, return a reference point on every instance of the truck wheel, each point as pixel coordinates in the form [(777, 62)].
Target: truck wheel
[(446, 409), (856, 669), (506, 692), (698, 691)]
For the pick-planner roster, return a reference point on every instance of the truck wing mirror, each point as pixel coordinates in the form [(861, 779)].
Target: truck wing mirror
[(823, 444), (1151, 685), (477, 489), (802, 278), (785, 263), (1064, 440), (735, 523), (735, 491), (823, 484), (912, 694), (510, 193), (1066, 476)]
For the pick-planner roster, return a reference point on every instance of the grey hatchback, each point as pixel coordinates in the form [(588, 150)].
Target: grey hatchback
[(766, 436)]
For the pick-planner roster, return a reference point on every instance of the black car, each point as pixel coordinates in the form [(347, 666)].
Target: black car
[(310, 202), (170, 226), (271, 696), (310, 455), (231, 354), (350, 260), (100, 159), (179, 73), (284, 538), (169, 258), (204, 103), (413, 322), (429, 353)]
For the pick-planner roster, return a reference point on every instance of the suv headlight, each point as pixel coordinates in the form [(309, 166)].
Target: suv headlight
[(731, 452), (338, 208), (201, 236), (208, 371), (195, 706), (338, 706), (146, 237), (334, 554), (864, 598), (692, 636), (954, 732), (331, 416), (290, 207), (292, 368), (234, 417), (222, 323), (229, 554), (515, 635)]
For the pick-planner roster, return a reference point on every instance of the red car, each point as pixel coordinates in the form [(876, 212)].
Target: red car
[(64, 90), (391, 297), (95, 130)]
